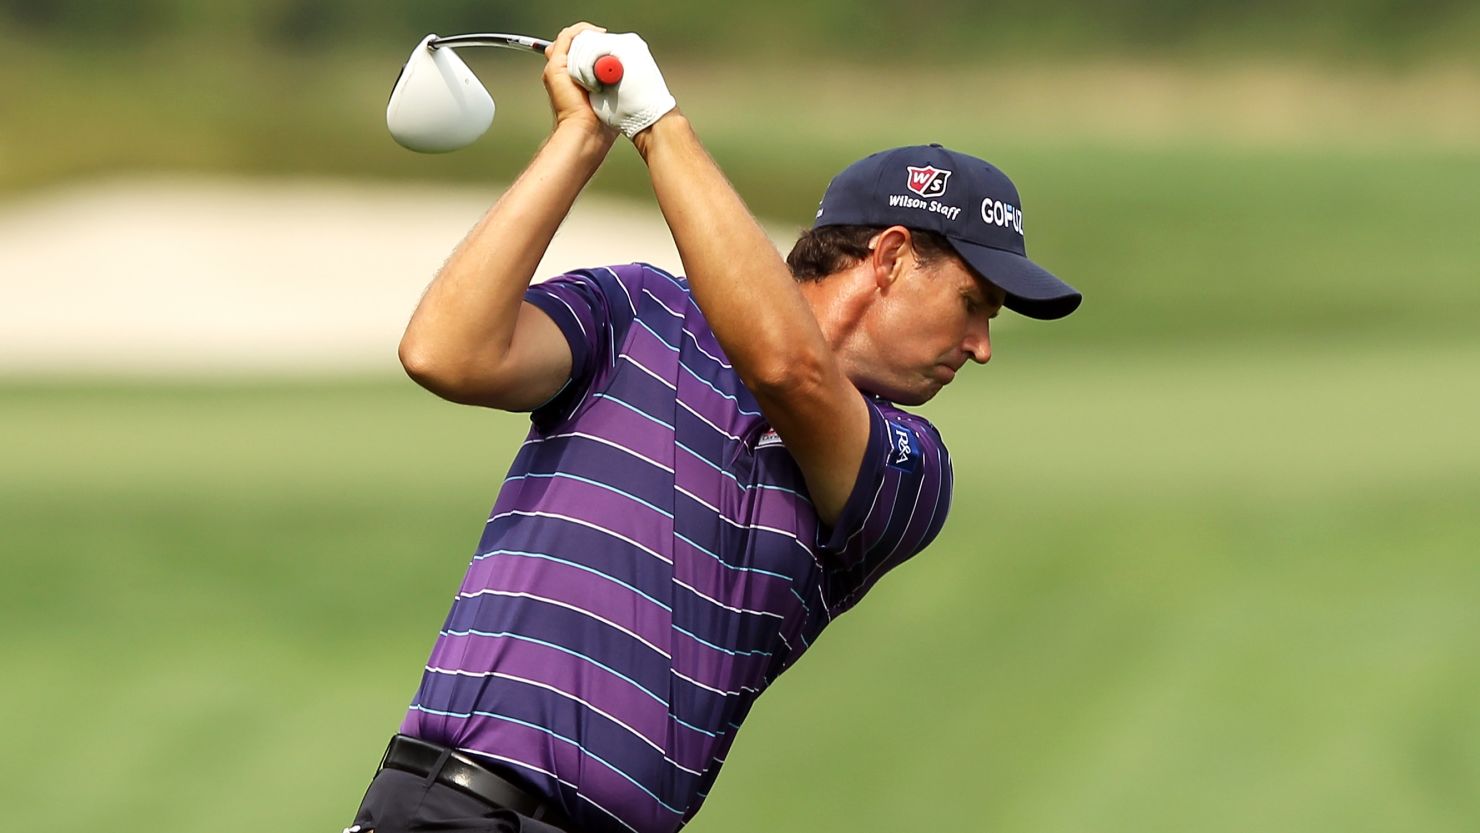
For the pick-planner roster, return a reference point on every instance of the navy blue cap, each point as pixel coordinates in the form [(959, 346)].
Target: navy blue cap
[(967, 200)]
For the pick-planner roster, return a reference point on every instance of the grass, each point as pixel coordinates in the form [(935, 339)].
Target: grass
[(1161, 603)]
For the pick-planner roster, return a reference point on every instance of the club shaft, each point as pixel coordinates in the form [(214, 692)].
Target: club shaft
[(523, 42)]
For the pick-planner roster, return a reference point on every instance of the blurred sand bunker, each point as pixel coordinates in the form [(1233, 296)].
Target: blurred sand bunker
[(207, 276)]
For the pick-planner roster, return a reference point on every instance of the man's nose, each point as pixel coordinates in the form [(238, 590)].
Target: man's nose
[(978, 344)]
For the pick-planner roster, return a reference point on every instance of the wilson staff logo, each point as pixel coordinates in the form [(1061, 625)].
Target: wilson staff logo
[(928, 181)]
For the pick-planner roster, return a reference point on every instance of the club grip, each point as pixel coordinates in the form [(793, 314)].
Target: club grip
[(608, 69)]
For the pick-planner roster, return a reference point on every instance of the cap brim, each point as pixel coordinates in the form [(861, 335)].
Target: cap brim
[(1031, 289)]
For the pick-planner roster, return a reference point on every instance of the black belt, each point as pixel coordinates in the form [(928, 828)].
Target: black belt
[(462, 773)]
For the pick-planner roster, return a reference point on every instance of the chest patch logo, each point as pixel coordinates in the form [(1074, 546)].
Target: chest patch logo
[(768, 439), (904, 448)]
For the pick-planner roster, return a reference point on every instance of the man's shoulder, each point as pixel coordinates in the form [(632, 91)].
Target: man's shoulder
[(635, 273), (892, 413), (640, 271), (632, 280), (658, 280)]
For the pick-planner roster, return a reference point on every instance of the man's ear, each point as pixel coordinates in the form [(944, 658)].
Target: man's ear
[(891, 253)]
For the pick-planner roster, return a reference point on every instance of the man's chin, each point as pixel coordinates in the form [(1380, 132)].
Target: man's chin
[(917, 396), (921, 397), (919, 393)]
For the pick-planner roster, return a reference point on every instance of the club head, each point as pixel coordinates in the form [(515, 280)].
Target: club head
[(438, 104)]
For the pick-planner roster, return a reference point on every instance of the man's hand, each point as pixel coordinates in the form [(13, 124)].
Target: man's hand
[(567, 100), (635, 102)]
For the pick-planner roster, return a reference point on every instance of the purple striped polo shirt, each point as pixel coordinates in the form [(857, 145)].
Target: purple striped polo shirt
[(652, 563)]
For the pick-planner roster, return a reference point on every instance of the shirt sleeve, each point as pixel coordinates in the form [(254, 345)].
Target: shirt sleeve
[(898, 504), (594, 308)]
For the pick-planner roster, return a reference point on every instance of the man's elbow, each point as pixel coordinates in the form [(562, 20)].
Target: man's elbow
[(446, 376), (420, 362)]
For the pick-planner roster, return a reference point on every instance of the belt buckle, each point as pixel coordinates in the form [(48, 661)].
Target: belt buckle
[(461, 779)]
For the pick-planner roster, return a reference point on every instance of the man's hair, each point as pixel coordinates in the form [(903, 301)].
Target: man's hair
[(820, 252)]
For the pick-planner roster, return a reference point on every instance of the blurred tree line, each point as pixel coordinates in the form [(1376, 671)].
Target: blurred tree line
[(941, 31)]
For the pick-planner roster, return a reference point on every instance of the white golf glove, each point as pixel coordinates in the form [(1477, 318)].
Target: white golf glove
[(632, 104)]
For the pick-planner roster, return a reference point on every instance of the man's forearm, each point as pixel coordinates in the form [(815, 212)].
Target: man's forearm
[(466, 318), (759, 315), (738, 278)]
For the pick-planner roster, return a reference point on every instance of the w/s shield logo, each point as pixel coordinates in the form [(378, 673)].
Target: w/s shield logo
[(928, 181)]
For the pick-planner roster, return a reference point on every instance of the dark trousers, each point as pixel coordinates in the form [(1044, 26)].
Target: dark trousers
[(399, 802)]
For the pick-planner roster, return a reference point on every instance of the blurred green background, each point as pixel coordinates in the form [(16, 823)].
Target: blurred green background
[(1213, 560)]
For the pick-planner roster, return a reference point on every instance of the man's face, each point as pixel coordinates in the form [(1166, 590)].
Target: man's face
[(926, 324)]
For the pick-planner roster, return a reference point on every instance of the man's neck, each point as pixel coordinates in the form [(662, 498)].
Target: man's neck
[(838, 303)]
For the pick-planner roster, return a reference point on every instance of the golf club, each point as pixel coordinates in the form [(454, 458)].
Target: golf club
[(438, 105)]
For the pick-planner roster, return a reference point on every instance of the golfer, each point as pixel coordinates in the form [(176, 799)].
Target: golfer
[(717, 465)]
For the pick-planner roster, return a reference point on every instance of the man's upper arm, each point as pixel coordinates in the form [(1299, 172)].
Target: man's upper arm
[(588, 312), (564, 326), (529, 370), (537, 365)]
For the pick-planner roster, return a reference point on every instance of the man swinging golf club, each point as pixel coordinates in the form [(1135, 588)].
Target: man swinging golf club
[(717, 465)]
